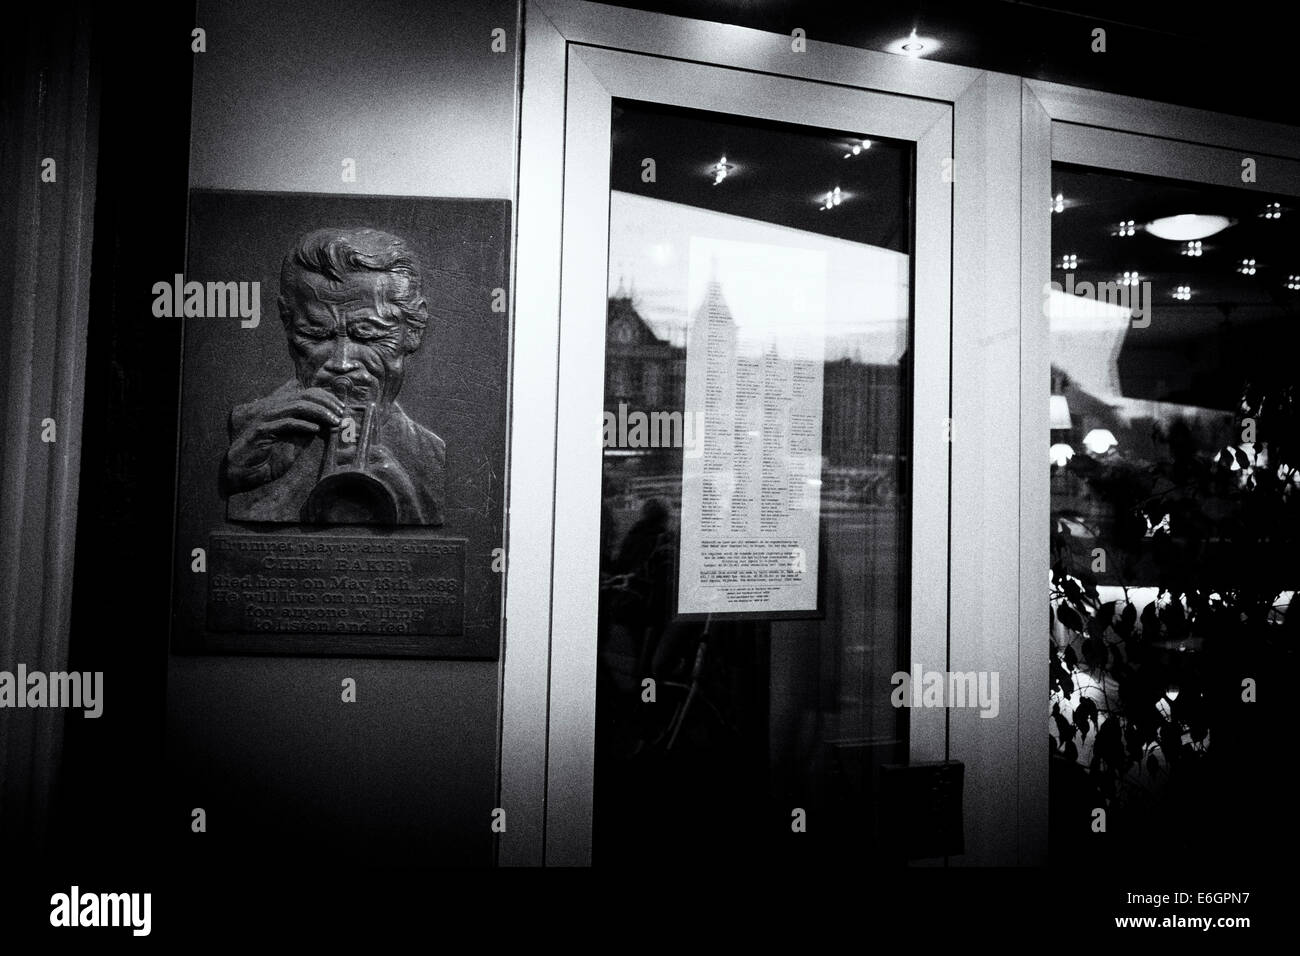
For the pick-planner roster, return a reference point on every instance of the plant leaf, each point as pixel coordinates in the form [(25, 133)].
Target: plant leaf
[(1069, 617)]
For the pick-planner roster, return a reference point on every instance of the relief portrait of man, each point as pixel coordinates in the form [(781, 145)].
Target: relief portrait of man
[(331, 445)]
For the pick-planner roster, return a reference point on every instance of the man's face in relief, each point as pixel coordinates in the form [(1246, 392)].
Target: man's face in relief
[(350, 337)]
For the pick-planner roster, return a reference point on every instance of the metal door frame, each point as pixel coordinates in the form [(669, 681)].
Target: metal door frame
[(577, 56)]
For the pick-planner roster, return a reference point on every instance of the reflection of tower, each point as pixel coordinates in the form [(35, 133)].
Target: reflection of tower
[(718, 387), (713, 317), (714, 337), (712, 327)]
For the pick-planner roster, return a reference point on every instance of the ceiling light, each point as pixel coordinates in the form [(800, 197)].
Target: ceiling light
[(1272, 211), (914, 46), (1247, 267), (1058, 203), (1070, 261), (720, 169), (1293, 283), (1183, 293), (1188, 226), (857, 148), (1192, 248), (1125, 228), (1099, 441)]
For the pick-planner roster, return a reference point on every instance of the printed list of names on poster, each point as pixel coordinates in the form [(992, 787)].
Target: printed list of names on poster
[(751, 497)]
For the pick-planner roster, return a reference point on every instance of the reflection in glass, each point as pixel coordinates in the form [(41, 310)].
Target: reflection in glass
[(1173, 453), (754, 512)]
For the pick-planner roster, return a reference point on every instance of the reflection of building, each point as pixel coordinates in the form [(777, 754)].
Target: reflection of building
[(860, 401), (861, 413), (642, 370)]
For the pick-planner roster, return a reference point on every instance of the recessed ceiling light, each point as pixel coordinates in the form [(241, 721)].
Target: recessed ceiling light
[(831, 199), (914, 46), (721, 170), (855, 148), (1188, 226)]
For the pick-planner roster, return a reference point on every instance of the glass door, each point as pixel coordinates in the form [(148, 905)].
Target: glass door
[(748, 536), (756, 486), (1170, 328)]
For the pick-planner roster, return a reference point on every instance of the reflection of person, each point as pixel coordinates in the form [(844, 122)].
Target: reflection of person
[(352, 310), (642, 538), (637, 591)]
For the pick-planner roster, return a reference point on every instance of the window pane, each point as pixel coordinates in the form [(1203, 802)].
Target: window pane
[(1173, 316), (755, 521)]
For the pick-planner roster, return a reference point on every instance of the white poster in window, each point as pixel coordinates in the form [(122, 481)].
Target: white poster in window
[(751, 491)]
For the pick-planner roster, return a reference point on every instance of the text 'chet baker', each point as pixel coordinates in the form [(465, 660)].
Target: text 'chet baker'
[(208, 300)]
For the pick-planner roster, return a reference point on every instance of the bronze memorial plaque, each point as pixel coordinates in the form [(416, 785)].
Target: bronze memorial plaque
[(336, 585), (343, 425)]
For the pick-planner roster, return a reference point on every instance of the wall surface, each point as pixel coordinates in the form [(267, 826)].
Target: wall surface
[(414, 95), (412, 91)]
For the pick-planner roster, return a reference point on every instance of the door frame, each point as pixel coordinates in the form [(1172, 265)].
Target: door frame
[(968, 428)]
